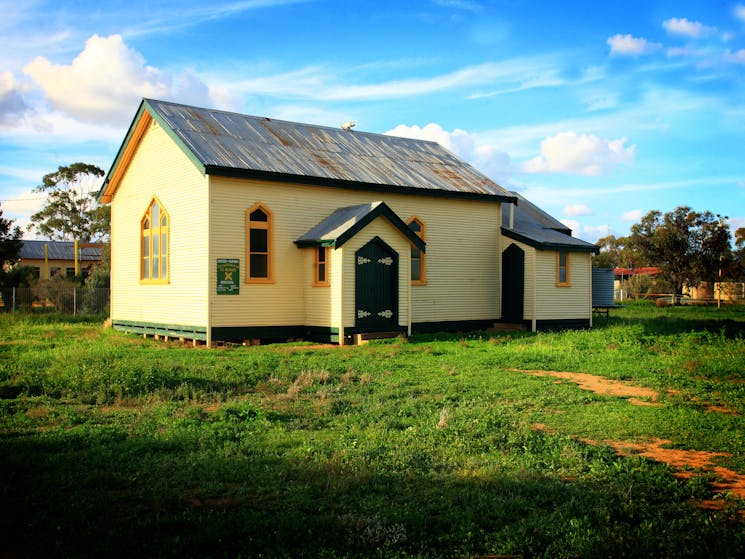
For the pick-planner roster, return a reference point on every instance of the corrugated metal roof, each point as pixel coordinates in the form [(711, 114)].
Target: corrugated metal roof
[(537, 228), (58, 250), (527, 214), (225, 142)]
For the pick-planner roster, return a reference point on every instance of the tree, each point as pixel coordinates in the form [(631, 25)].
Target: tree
[(687, 246), (615, 252), (738, 264), (71, 210), (713, 247), (610, 252), (10, 244)]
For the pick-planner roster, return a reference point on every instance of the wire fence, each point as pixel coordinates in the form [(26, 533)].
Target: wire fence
[(48, 298)]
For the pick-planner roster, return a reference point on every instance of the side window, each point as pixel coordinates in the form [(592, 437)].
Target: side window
[(259, 244), (321, 267), (418, 258), (562, 269), (154, 254)]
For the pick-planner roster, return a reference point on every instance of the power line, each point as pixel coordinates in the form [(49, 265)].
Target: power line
[(22, 199)]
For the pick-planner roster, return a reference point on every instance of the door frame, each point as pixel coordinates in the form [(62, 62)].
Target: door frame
[(384, 323), (513, 284)]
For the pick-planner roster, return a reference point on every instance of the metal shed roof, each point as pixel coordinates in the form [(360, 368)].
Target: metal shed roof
[(58, 250), (538, 229), (232, 144)]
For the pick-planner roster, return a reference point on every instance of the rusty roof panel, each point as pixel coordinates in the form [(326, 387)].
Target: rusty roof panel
[(247, 143)]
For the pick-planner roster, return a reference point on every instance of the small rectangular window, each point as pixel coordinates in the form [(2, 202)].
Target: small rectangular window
[(321, 267), (416, 265), (562, 269)]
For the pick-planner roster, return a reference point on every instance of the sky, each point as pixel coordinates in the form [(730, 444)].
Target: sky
[(598, 112)]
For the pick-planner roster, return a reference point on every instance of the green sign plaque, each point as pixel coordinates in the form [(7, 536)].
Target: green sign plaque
[(228, 276)]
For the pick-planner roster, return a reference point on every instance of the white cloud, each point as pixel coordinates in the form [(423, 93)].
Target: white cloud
[(739, 12), (632, 215), (589, 233), (487, 158), (572, 224), (686, 28), (105, 82), (20, 205), (12, 102), (592, 233), (737, 57), (626, 45), (581, 154), (576, 210)]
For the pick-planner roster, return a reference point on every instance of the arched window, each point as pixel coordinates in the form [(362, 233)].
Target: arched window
[(154, 256), (418, 259), (259, 244)]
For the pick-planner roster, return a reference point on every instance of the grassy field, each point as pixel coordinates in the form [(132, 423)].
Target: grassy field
[(456, 446)]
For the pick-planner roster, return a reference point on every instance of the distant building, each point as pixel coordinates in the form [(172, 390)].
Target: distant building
[(50, 258), (625, 273)]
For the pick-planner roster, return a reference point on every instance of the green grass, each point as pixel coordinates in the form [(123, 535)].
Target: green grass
[(115, 445)]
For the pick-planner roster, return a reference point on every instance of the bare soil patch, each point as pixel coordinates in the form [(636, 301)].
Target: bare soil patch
[(688, 462), (638, 395)]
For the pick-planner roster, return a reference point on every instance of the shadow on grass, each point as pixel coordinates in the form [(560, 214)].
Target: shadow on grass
[(106, 493), (666, 325)]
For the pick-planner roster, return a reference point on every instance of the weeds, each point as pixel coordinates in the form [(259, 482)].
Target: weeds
[(428, 448)]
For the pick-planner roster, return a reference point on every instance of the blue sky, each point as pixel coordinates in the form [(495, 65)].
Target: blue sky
[(597, 112)]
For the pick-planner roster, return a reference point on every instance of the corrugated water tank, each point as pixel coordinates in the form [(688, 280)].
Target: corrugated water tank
[(602, 287)]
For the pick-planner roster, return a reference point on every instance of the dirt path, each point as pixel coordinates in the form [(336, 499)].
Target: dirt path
[(687, 462), (638, 395)]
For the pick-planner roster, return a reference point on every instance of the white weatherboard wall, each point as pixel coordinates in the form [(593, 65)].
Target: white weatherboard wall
[(462, 257), (570, 302), (319, 307), (160, 169)]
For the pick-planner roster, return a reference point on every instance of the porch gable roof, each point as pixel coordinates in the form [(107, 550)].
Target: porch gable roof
[(345, 223)]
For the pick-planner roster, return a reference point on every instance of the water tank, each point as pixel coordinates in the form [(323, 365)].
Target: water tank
[(602, 287)]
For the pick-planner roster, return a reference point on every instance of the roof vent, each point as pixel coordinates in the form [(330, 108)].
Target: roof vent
[(348, 125)]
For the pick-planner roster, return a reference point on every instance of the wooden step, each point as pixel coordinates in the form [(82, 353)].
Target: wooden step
[(364, 337)]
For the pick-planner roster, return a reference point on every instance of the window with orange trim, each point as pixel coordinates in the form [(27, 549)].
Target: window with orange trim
[(321, 267), (154, 237), (418, 261), (562, 269), (259, 244)]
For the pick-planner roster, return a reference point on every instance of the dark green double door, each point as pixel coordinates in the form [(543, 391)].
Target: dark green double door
[(376, 287)]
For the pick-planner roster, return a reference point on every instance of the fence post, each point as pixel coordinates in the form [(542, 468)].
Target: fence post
[(74, 301)]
